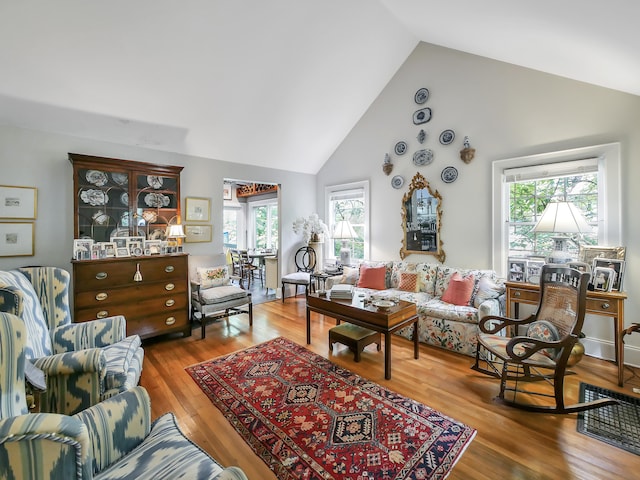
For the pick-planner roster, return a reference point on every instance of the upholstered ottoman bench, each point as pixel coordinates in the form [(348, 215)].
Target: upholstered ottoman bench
[(354, 337)]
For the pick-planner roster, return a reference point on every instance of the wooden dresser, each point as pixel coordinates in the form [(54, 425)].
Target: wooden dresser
[(156, 304)]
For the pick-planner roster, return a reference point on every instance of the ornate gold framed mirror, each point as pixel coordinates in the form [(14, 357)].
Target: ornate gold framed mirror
[(421, 220)]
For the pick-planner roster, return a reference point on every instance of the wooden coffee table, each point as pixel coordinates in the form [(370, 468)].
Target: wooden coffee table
[(384, 321)]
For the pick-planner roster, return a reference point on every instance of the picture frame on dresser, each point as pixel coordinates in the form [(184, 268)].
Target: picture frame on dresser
[(589, 252), (517, 269), (614, 264)]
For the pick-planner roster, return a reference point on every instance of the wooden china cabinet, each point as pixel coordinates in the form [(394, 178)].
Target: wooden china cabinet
[(115, 199)]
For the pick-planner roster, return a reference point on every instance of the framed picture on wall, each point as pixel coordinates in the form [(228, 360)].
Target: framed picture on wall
[(16, 239), (18, 202), (226, 191), (197, 233), (197, 209)]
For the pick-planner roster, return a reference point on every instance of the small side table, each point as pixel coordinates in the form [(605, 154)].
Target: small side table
[(354, 337)]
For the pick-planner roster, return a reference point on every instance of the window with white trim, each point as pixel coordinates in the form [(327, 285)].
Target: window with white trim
[(522, 186), (348, 202), (530, 189)]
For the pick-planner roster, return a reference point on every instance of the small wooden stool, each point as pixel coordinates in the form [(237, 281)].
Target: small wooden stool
[(354, 337)]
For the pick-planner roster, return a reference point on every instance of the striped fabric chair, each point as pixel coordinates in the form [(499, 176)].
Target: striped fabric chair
[(112, 440), (84, 363)]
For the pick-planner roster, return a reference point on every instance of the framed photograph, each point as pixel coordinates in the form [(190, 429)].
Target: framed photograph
[(154, 247), (139, 239), (16, 239), (589, 252), (18, 202), (197, 209), (120, 242), (109, 249), (603, 279), (198, 233), (82, 248), (534, 270), (614, 264), (517, 269), (135, 248), (122, 252), (226, 191), (582, 266)]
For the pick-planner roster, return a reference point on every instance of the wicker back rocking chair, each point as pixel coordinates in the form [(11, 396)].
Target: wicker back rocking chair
[(543, 352)]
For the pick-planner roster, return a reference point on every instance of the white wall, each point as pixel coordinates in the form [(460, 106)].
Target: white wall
[(38, 159), (507, 111)]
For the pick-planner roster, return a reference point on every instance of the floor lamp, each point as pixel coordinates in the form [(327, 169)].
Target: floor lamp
[(344, 231), (561, 217)]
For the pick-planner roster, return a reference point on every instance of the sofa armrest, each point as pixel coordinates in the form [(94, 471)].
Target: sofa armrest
[(93, 334), (231, 473), (117, 425), (63, 443)]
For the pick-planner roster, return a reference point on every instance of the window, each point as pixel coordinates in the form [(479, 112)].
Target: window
[(230, 219), (348, 202), (588, 177), (264, 216), (530, 189)]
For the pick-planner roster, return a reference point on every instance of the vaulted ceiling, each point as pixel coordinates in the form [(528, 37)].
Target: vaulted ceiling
[(277, 83)]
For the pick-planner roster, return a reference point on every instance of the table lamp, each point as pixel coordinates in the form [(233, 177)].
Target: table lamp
[(561, 217), (344, 231)]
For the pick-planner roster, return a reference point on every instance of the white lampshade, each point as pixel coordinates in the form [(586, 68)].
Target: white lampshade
[(562, 217), (175, 231), (344, 231)]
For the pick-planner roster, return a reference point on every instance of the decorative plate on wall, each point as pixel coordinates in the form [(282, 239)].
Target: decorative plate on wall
[(397, 181), (423, 157), (422, 116), (421, 96), (449, 174), (400, 148), (447, 136)]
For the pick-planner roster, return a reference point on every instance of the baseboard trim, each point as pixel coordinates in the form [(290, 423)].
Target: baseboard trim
[(596, 347)]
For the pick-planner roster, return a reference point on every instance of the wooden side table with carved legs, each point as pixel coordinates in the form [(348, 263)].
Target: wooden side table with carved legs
[(634, 327)]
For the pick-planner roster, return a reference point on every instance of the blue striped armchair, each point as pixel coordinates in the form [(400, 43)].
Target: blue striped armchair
[(83, 363), (112, 440)]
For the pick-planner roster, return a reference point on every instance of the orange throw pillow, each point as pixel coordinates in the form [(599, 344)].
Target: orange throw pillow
[(459, 290), (372, 277), (408, 282)]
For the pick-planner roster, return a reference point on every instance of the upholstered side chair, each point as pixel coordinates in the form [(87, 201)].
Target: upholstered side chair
[(83, 363), (213, 296), (114, 439)]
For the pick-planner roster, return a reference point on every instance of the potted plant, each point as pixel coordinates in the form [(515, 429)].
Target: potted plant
[(312, 228)]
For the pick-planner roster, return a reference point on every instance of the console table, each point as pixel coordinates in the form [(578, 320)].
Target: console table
[(607, 304)]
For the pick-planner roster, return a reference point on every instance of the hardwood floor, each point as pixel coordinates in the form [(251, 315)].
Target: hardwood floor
[(510, 444)]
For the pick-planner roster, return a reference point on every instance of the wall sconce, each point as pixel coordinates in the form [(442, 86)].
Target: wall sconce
[(387, 166), (467, 153)]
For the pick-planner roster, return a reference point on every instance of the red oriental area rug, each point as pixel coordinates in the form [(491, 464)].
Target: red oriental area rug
[(308, 418)]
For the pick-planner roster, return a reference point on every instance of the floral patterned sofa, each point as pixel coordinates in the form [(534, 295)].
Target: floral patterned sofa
[(442, 324)]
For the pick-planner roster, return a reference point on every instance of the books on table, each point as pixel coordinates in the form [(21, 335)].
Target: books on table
[(341, 290)]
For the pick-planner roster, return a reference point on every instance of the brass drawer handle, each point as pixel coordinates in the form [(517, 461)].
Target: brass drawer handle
[(102, 296), (169, 268), (516, 294), (605, 306), (169, 286), (170, 320), (101, 275), (102, 314), (170, 303)]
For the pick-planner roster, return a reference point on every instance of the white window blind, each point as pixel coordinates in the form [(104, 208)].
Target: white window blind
[(551, 170)]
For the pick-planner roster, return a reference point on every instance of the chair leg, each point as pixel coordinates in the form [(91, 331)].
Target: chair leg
[(283, 293), (251, 314)]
